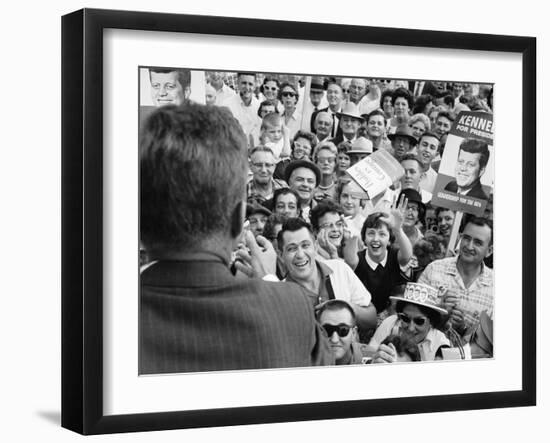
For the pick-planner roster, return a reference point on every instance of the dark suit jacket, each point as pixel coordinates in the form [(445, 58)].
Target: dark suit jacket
[(196, 316), (476, 191), (311, 123)]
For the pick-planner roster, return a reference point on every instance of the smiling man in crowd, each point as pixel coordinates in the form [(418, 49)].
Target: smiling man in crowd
[(327, 279), (303, 177), (428, 147), (322, 126), (335, 98), (473, 156), (244, 105), (465, 282), (411, 179)]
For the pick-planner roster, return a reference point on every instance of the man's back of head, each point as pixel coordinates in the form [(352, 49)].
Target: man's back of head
[(193, 164)]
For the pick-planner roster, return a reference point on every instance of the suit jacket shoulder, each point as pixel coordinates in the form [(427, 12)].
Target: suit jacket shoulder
[(195, 316)]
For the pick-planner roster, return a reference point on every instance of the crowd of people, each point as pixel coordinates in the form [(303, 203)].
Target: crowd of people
[(260, 251)]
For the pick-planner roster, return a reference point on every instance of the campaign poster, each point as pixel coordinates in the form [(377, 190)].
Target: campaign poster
[(465, 178)]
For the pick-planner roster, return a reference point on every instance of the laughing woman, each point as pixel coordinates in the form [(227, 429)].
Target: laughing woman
[(418, 316)]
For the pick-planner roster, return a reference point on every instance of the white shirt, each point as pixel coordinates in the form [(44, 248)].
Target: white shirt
[(294, 123), (246, 115), (427, 181), (346, 284), (223, 95)]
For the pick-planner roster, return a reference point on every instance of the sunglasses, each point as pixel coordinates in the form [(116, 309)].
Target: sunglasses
[(418, 321), (341, 330), (288, 94)]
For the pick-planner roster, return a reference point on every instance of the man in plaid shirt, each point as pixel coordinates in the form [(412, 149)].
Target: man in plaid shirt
[(465, 282)]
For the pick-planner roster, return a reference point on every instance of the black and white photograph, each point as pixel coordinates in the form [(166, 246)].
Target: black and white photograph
[(290, 220)]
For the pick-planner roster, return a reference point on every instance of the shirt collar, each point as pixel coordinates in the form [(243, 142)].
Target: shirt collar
[(483, 278), (372, 264)]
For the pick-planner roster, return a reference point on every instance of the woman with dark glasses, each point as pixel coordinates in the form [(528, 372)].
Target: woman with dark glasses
[(418, 315)]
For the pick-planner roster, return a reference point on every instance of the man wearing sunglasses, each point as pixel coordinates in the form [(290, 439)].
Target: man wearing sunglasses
[(289, 98), (338, 320)]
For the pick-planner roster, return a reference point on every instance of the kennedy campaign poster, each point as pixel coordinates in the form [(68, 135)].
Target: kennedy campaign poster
[(466, 174)]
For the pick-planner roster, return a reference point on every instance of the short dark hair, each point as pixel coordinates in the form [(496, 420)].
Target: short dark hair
[(335, 305), (386, 93), (193, 167), (449, 100), (293, 224), (476, 146), (183, 75), (434, 316), (449, 116), (324, 207), (269, 227), (404, 93), (410, 156), (288, 85), (421, 102), (478, 221), (269, 78), (308, 136), (284, 191), (375, 221), (266, 103), (403, 345), (430, 134), (375, 113)]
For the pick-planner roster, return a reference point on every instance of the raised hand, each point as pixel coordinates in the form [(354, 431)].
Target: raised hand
[(325, 244), (259, 259), (397, 213)]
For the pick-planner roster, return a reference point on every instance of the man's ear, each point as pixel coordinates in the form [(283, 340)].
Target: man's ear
[(237, 219), (481, 171), (489, 251), (187, 92)]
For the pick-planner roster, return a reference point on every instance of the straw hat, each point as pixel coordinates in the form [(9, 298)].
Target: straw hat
[(422, 295)]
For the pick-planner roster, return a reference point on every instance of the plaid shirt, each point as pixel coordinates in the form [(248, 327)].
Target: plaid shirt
[(254, 196), (473, 300)]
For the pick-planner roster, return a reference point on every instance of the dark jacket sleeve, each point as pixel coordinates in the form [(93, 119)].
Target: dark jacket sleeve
[(321, 354)]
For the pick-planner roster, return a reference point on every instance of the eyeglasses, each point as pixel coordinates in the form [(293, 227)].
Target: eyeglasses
[(418, 321), (345, 91), (288, 94), (342, 330), (338, 224)]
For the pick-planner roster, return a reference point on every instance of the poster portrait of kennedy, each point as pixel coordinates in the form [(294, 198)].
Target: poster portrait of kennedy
[(473, 156)]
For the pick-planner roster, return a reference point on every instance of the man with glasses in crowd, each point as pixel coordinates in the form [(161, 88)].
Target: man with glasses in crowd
[(338, 320), (262, 185)]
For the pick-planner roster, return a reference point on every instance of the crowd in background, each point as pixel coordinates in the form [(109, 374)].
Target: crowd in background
[(386, 279)]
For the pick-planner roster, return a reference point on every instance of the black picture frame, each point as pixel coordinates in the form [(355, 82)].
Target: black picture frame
[(82, 220)]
